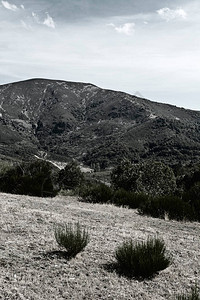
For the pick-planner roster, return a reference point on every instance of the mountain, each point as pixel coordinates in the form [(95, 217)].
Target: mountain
[(68, 120)]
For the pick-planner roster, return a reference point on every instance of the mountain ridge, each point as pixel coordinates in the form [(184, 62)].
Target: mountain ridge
[(79, 120)]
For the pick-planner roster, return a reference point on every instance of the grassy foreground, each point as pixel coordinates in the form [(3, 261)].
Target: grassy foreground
[(32, 267)]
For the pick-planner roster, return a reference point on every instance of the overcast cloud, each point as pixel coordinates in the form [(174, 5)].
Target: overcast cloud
[(150, 46)]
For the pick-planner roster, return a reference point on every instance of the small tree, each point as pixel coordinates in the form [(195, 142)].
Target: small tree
[(151, 178), (125, 176), (156, 178), (70, 177)]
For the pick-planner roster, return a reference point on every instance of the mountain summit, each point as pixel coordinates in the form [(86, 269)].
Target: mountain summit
[(68, 120)]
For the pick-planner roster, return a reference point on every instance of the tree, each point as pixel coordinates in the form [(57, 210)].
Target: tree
[(156, 178), (125, 176), (152, 178), (70, 177), (34, 179)]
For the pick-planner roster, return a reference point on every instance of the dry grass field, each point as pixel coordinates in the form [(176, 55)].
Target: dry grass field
[(30, 270)]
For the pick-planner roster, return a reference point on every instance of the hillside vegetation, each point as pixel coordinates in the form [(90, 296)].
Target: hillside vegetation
[(64, 120)]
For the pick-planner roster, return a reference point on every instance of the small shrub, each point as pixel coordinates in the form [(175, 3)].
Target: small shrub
[(193, 295), (143, 259), (122, 197), (96, 193), (72, 238)]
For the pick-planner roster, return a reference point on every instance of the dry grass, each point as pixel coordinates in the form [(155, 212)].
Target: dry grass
[(31, 269)]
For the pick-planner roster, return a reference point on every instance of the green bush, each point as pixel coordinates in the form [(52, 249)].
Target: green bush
[(96, 193), (72, 238), (142, 260), (193, 295), (34, 179), (70, 177), (172, 206), (130, 199)]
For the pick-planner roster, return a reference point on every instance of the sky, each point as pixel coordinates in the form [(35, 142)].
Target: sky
[(146, 47)]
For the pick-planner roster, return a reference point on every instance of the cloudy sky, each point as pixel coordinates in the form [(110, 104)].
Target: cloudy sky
[(149, 46)]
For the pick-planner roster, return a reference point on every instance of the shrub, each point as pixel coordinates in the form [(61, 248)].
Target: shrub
[(72, 238), (193, 295), (70, 177), (142, 260), (122, 197), (173, 206), (96, 193), (193, 198), (34, 179), (190, 178)]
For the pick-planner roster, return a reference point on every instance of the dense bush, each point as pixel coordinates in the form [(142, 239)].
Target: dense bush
[(193, 295), (172, 206), (96, 193), (143, 259), (151, 178), (130, 199), (101, 193), (72, 238), (70, 177), (189, 180), (193, 198), (34, 179)]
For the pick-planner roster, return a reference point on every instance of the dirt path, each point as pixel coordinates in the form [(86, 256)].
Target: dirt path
[(27, 235)]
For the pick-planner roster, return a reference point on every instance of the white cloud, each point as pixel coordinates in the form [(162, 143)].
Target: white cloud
[(49, 21), (9, 6), (22, 6), (171, 14), (127, 28)]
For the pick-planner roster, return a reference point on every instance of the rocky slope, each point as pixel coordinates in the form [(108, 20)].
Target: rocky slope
[(78, 120)]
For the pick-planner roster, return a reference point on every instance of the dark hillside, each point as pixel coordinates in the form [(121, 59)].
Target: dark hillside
[(79, 120)]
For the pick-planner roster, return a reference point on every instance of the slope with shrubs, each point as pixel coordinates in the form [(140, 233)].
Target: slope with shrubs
[(32, 268)]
